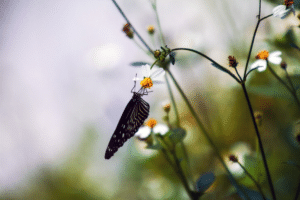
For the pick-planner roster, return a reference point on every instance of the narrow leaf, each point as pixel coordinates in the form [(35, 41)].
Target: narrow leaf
[(177, 135), (139, 64), (204, 182)]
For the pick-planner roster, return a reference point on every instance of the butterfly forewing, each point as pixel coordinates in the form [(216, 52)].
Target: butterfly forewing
[(134, 115)]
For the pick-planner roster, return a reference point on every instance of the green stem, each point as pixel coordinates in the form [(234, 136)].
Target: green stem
[(255, 182), (208, 58), (279, 79), (158, 24), (173, 101), (291, 89), (140, 46), (204, 131), (259, 142), (251, 46), (177, 168)]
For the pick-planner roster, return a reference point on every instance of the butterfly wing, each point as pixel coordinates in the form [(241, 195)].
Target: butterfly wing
[(134, 115)]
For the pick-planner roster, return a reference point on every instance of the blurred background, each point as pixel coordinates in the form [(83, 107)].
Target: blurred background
[(65, 79)]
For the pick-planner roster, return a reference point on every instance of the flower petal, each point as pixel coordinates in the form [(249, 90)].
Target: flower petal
[(275, 58), (261, 64), (143, 132), (161, 128), (146, 70), (282, 12)]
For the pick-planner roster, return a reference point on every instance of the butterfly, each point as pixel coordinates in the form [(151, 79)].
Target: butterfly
[(133, 117)]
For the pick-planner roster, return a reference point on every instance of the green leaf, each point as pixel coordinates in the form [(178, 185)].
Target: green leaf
[(177, 135), (138, 64), (205, 181)]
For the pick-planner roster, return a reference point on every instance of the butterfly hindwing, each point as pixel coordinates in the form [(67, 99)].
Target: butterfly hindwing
[(134, 115)]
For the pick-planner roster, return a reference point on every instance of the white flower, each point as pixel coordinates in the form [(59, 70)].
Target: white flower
[(150, 76), (283, 11), (151, 125), (264, 57), (143, 132), (161, 129)]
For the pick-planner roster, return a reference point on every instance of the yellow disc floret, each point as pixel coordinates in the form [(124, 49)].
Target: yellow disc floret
[(262, 55), (146, 83), (151, 122)]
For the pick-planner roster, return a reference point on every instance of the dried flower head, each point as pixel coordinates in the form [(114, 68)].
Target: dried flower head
[(151, 123), (232, 61), (150, 29), (167, 107), (233, 158), (127, 30), (283, 65)]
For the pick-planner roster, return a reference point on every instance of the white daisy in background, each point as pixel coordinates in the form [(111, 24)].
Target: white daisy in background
[(151, 126), (150, 77), (264, 57), (283, 11)]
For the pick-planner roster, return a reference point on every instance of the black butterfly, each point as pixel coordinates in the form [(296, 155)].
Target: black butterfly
[(133, 117)]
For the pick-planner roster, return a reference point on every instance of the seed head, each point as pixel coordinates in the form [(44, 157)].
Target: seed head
[(232, 61), (283, 65), (233, 158)]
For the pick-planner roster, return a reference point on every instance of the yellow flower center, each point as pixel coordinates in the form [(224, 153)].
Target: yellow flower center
[(151, 122), (262, 55), (146, 83)]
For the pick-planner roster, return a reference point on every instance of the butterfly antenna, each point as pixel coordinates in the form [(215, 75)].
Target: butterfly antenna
[(134, 84)]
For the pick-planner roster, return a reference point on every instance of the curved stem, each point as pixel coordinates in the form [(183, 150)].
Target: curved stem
[(177, 168), (158, 24), (204, 131), (124, 16), (259, 142), (208, 58), (238, 74), (279, 79), (255, 182), (250, 50)]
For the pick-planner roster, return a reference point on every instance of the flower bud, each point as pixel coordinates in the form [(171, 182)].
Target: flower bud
[(151, 29)]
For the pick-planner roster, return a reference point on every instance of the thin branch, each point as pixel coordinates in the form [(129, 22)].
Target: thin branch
[(255, 182), (124, 16), (259, 142), (215, 64)]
